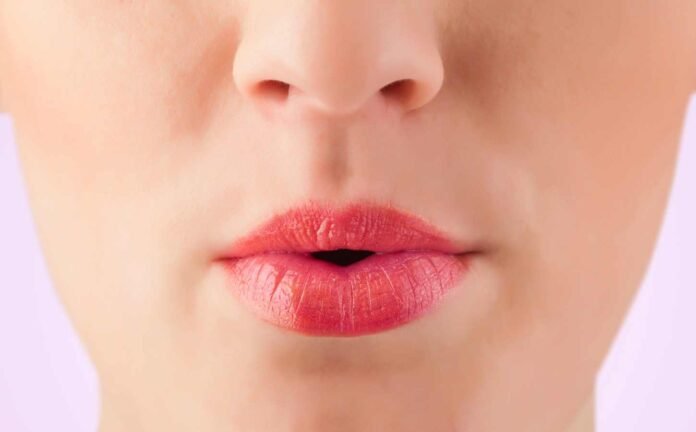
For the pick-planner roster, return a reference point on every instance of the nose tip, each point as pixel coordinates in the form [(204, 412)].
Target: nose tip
[(338, 61)]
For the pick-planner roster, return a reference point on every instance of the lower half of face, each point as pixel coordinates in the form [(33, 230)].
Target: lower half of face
[(549, 141)]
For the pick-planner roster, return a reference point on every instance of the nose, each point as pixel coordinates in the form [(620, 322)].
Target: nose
[(338, 56)]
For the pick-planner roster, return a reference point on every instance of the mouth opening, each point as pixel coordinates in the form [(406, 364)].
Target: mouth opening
[(342, 257)]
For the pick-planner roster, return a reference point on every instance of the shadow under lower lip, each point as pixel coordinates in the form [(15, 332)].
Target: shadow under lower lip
[(301, 293)]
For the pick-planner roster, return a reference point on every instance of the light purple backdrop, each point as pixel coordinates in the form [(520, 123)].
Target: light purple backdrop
[(647, 383)]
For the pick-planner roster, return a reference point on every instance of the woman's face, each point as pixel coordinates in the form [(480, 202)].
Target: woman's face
[(154, 134)]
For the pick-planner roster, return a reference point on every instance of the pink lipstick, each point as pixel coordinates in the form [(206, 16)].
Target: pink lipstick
[(352, 271)]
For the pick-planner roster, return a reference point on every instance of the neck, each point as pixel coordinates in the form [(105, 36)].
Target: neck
[(584, 420)]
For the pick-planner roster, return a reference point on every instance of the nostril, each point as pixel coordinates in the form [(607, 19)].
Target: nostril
[(400, 91), (272, 89), (342, 257)]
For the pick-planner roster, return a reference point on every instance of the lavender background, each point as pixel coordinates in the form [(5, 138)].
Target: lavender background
[(647, 382)]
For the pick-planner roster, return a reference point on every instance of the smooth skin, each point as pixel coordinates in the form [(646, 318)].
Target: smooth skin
[(154, 133)]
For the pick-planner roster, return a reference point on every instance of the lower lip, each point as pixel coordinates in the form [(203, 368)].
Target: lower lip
[(383, 291)]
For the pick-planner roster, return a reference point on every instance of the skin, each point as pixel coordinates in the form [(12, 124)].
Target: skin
[(547, 130)]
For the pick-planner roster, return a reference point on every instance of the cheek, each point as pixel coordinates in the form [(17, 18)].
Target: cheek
[(586, 131), (102, 168), (592, 115), (123, 109), (112, 126)]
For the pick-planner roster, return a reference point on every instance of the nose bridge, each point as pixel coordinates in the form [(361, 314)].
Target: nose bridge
[(338, 55)]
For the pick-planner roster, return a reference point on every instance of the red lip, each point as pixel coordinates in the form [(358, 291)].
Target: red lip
[(273, 272)]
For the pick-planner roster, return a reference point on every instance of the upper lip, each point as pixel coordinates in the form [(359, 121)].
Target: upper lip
[(359, 226)]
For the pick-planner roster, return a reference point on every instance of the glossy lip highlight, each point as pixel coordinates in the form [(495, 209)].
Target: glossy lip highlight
[(273, 274)]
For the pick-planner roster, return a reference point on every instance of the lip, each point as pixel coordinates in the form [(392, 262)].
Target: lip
[(414, 265)]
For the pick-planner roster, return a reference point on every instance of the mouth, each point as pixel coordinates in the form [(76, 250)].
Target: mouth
[(353, 271)]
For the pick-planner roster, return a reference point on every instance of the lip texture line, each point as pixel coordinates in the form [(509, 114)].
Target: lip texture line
[(273, 274), (367, 227)]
